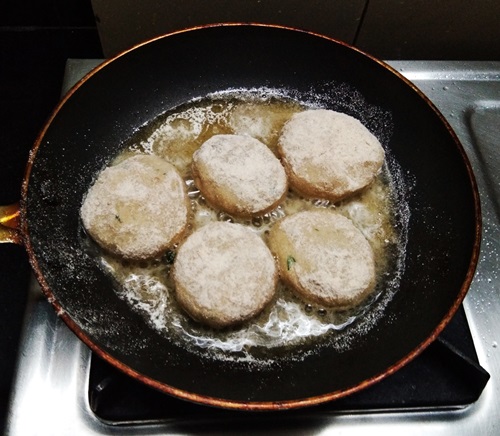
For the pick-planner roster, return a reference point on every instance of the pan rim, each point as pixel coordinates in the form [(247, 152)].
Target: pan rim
[(220, 402)]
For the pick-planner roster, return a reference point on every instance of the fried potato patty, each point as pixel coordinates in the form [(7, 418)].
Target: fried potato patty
[(138, 208), (324, 258), (224, 274), (329, 154), (239, 174)]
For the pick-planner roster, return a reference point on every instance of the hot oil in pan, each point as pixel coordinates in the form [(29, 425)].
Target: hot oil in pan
[(288, 324)]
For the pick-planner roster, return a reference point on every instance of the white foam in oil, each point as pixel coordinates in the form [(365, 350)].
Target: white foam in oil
[(288, 326)]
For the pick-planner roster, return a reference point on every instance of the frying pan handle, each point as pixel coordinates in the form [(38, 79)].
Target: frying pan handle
[(9, 224)]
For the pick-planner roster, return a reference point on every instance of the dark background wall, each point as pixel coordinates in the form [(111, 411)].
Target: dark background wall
[(37, 36), (432, 29), (388, 29)]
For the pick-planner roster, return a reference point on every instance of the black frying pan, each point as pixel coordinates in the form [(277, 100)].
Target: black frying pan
[(102, 111)]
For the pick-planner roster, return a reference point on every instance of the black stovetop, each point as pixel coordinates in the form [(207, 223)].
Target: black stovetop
[(446, 375)]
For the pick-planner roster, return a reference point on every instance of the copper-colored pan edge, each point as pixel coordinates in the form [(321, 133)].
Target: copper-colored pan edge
[(218, 402)]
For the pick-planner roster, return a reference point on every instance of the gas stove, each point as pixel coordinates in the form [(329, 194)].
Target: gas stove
[(61, 388)]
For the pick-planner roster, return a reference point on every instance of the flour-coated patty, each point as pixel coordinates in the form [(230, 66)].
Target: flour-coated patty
[(239, 174), (137, 208), (324, 258), (224, 274), (329, 154)]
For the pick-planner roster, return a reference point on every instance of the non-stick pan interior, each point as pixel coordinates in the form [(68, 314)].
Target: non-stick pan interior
[(89, 128)]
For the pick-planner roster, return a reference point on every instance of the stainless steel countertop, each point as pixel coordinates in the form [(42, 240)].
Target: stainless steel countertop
[(50, 389)]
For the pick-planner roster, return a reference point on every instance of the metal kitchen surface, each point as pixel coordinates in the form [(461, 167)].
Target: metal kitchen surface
[(51, 389)]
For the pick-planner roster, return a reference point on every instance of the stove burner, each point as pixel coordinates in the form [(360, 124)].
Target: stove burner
[(446, 375)]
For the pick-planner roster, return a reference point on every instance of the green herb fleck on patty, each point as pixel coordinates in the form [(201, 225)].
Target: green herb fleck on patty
[(170, 257)]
